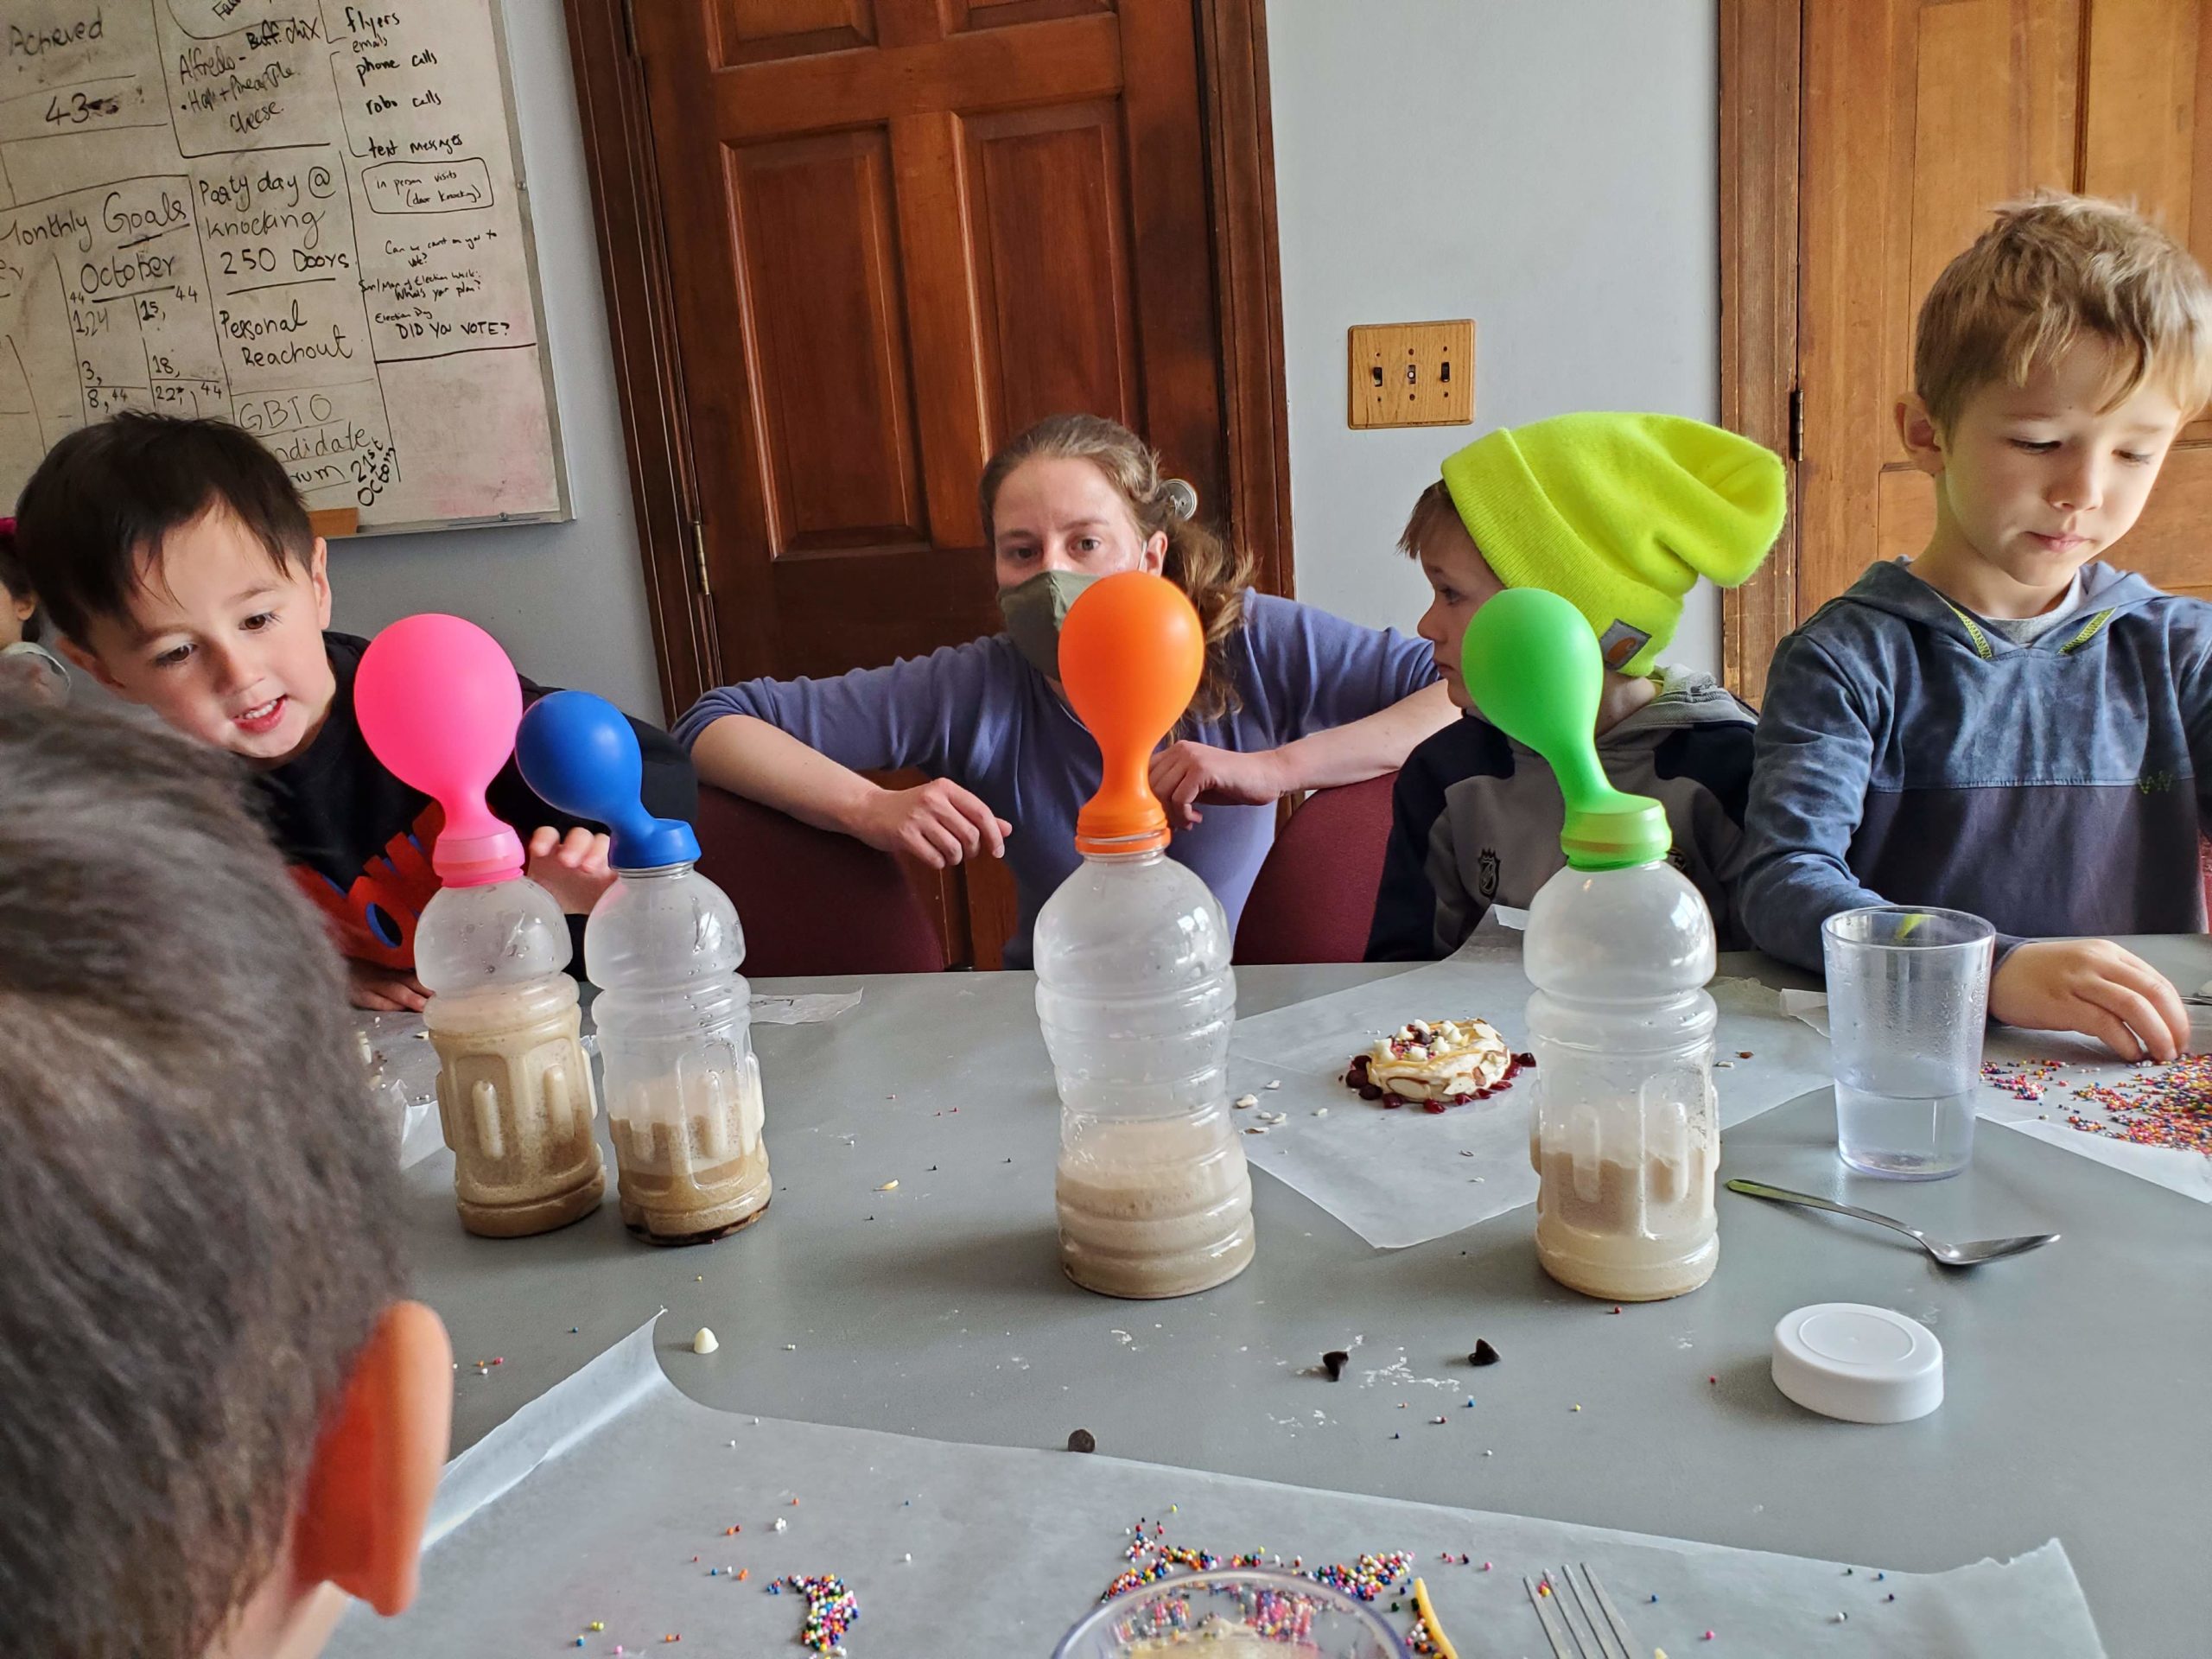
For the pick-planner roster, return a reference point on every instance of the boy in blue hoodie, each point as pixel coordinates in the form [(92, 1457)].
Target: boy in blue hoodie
[(2004, 724)]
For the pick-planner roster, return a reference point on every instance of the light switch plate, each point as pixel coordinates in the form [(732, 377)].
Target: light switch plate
[(1412, 374)]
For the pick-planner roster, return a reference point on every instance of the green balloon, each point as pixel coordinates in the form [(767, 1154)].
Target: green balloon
[(1533, 668)]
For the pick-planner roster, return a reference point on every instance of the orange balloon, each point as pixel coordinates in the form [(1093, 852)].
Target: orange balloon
[(1131, 652)]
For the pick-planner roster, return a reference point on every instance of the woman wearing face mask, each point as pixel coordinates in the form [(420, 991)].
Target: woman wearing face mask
[(1291, 697)]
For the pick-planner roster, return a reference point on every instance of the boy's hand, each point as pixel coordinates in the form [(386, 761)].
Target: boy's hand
[(1184, 773), (572, 868), (2093, 986), (379, 989), (939, 823)]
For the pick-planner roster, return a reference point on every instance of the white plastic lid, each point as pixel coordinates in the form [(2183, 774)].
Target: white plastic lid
[(1862, 1365)]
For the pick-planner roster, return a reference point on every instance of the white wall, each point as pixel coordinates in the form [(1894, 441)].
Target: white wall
[(1547, 167), (567, 601)]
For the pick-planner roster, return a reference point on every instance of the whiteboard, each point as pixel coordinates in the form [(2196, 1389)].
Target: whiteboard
[(306, 217)]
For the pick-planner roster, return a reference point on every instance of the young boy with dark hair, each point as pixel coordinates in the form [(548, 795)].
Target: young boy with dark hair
[(177, 562), (2002, 724), (216, 1401), (1620, 514)]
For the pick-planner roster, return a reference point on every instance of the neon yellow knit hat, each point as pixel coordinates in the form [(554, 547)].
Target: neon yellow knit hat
[(1620, 515)]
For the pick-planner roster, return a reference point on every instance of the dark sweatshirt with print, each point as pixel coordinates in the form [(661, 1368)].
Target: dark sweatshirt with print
[(1910, 754), (1475, 817)]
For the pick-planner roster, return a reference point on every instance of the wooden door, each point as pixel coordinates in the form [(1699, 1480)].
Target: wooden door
[(901, 231), (1916, 117), (897, 233)]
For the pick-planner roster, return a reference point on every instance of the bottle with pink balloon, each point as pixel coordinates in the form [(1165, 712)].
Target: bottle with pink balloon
[(439, 703)]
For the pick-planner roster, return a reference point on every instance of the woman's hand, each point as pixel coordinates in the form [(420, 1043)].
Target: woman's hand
[(1184, 773), (939, 823)]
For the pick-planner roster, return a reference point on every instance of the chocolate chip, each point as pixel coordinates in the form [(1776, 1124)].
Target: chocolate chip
[(1484, 1354), (1333, 1362), (1082, 1440)]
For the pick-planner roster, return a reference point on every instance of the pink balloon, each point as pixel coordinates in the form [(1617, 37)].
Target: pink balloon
[(439, 702)]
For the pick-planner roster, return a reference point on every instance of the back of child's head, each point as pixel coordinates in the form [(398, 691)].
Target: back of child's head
[(2053, 271), (90, 522), (201, 1228)]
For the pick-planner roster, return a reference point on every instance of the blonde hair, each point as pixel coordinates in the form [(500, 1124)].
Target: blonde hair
[(1207, 568), (2050, 271), (1434, 511)]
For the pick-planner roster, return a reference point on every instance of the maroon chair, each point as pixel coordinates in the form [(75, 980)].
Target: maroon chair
[(811, 901), (1315, 895)]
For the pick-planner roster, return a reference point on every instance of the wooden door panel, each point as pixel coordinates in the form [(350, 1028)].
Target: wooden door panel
[(2166, 547), (1049, 228), (922, 228), (961, 16), (987, 69), (757, 31), (822, 307)]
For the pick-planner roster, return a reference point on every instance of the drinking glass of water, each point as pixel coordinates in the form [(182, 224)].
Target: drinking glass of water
[(1907, 999)]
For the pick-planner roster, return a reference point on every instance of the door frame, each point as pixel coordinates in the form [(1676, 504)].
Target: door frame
[(1762, 77), (620, 160)]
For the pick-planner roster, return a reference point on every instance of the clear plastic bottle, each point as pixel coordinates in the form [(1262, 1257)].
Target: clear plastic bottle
[(514, 1087), (674, 1015), (1136, 1000), (675, 1051), (1626, 1136)]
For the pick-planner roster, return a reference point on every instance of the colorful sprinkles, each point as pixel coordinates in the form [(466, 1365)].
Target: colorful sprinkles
[(2168, 1106), (831, 1610)]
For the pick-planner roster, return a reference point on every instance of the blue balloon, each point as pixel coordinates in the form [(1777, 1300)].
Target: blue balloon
[(577, 751)]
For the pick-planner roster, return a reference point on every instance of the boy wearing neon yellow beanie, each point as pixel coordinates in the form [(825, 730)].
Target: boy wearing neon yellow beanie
[(1620, 514)]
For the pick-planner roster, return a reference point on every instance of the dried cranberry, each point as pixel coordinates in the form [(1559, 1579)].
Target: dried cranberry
[(1528, 1060), (1432, 1105), (1371, 1091)]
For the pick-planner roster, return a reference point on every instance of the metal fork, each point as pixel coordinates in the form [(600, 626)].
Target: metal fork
[(1580, 1620)]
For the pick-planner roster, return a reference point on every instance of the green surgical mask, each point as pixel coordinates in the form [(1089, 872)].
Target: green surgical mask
[(1034, 610)]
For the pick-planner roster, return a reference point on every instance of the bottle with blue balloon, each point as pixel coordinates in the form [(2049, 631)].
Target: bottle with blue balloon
[(664, 945)]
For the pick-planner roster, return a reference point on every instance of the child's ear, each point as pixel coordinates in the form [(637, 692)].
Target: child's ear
[(376, 1465), (91, 663), (1155, 557), (319, 578), (1916, 427)]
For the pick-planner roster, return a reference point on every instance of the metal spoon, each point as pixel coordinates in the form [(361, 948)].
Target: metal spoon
[(1970, 1253)]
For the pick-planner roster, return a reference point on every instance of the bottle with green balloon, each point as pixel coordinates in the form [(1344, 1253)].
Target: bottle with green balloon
[(1626, 1135)]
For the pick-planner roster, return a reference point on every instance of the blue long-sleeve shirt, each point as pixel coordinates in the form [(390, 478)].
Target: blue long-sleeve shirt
[(1907, 754), (980, 715)]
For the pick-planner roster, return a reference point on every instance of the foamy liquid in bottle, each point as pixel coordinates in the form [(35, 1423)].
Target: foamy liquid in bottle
[(682, 1086), (515, 1095), (1626, 1134), (1136, 1000)]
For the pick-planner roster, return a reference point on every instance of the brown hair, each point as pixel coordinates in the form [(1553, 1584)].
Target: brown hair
[(1204, 566), (2050, 271), (90, 522), (1433, 511), (202, 1222)]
